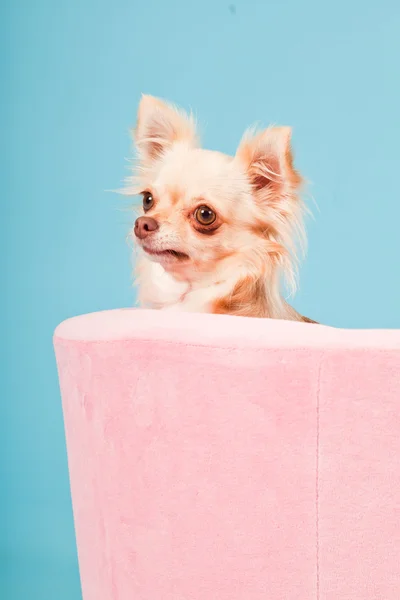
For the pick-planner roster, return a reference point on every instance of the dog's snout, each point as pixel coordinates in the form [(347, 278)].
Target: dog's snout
[(145, 226)]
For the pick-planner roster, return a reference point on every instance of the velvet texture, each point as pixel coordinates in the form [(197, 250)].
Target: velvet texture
[(224, 458)]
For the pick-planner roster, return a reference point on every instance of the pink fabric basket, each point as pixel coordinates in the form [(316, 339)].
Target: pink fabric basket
[(224, 458)]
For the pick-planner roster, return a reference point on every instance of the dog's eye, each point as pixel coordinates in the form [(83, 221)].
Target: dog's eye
[(148, 200), (205, 215)]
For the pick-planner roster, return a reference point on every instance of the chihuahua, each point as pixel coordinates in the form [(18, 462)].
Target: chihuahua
[(217, 233)]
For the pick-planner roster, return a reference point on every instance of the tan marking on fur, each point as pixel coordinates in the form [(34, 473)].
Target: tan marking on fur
[(307, 320), (246, 300), (262, 229), (246, 153), (222, 255), (175, 195), (293, 175), (276, 250)]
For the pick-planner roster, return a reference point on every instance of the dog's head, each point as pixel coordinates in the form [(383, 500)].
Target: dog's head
[(202, 209)]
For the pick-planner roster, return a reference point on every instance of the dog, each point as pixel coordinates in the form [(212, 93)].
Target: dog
[(217, 233)]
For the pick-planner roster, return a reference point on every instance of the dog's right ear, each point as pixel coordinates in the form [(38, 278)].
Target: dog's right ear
[(159, 126)]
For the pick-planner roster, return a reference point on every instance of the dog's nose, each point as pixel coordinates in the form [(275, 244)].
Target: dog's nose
[(145, 226)]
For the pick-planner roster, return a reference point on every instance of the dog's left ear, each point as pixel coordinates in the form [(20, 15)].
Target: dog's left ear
[(268, 162), (159, 126)]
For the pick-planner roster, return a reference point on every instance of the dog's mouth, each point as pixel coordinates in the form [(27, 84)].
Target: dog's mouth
[(168, 254)]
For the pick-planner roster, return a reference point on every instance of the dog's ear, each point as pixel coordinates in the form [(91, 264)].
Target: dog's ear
[(159, 126), (268, 161)]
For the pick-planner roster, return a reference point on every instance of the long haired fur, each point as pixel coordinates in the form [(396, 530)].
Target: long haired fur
[(236, 263)]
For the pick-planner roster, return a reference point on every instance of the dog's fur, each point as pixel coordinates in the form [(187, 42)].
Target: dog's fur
[(236, 265)]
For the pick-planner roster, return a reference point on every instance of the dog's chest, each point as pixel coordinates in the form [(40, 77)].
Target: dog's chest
[(157, 289)]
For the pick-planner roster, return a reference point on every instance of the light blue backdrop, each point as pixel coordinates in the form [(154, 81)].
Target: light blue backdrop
[(72, 74)]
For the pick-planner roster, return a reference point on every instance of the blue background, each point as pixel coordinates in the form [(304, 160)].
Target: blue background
[(72, 74)]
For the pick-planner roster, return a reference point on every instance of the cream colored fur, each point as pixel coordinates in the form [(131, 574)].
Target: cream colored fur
[(237, 268)]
